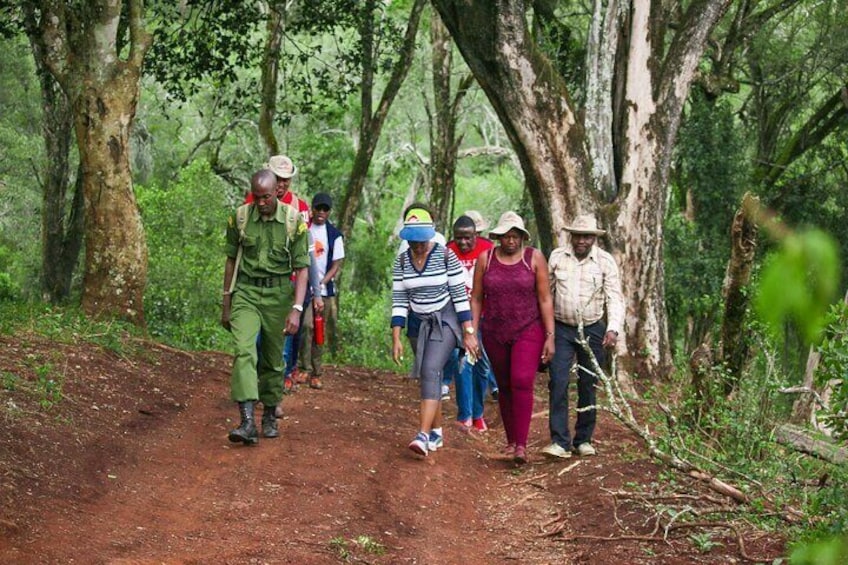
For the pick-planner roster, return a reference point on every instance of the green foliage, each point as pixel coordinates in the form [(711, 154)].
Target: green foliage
[(65, 325), (704, 542), (799, 282), (198, 42), (710, 178), (21, 148), (9, 290), (48, 387), (833, 367), (364, 333), (831, 551), (185, 224)]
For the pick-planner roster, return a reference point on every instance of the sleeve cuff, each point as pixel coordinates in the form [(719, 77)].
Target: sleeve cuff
[(464, 316), (399, 321)]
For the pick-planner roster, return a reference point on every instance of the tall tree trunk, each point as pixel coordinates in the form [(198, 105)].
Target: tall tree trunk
[(270, 70), (733, 347), (444, 144), (83, 54), (371, 123), (61, 228), (533, 103)]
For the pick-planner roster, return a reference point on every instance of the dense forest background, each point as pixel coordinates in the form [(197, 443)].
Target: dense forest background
[(729, 242)]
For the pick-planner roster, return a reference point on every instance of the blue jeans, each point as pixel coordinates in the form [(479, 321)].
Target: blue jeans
[(566, 349), (471, 384), (290, 352)]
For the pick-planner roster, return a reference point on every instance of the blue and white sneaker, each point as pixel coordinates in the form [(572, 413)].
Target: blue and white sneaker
[(435, 442), (419, 444)]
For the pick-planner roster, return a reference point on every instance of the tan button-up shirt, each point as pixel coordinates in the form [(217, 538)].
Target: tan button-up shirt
[(586, 289)]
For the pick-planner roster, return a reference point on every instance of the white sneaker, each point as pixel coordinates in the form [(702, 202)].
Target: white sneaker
[(435, 441), (419, 444), (445, 392), (556, 451), (585, 449)]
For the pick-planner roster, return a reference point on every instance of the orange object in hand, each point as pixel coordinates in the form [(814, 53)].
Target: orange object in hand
[(319, 329)]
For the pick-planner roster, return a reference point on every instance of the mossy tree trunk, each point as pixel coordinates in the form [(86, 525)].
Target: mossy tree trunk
[(96, 55)]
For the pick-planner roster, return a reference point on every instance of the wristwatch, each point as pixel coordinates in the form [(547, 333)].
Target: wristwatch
[(469, 330), (298, 307)]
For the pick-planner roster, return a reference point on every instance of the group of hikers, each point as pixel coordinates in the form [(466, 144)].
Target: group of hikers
[(509, 309), (491, 311)]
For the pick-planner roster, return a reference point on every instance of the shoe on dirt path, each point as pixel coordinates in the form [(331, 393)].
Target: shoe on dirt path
[(419, 444), (585, 450), (556, 451)]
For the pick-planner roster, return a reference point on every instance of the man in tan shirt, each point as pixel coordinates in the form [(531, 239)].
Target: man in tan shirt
[(587, 289)]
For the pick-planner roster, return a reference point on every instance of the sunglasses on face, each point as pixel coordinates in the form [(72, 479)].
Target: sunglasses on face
[(322, 208)]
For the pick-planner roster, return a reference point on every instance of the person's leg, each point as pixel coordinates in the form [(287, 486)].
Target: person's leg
[(464, 390), (318, 350), (586, 391), (479, 383), (244, 326), (499, 357), (560, 371), (449, 372), (275, 306), (434, 357), (525, 360), (305, 345)]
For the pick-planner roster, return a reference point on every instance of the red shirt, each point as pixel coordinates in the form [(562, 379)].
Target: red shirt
[(469, 260), (288, 198)]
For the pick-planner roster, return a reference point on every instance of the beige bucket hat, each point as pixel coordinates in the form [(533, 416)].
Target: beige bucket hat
[(585, 223), (281, 166), (508, 221), (480, 223)]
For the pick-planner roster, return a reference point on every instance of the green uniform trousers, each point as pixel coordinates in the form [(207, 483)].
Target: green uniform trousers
[(258, 374)]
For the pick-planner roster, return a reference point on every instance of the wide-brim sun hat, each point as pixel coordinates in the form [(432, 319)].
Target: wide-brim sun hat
[(509, 221), (418, 226), (281, 166), (585, 224), (480, 223)]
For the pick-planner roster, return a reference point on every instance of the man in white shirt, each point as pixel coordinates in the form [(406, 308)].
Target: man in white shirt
[(587, 292), (329, 256)]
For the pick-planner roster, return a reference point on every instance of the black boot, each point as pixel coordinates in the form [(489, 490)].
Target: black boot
[(246, 432), (269, 422)]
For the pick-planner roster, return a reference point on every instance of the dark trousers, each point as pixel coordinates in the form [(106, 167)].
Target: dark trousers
[(567, 348)]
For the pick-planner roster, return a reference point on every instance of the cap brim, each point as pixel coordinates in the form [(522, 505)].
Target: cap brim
[(417, 233)]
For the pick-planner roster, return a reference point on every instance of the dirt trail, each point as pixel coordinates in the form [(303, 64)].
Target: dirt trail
[(133, 466)]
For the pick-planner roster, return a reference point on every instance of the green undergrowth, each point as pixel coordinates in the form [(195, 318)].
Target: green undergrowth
[(67, 325), (733, 439)]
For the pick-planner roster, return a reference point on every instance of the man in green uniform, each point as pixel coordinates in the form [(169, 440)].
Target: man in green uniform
[(274, 244)]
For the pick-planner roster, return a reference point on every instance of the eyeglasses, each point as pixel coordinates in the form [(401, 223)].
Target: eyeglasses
[(322, 208)]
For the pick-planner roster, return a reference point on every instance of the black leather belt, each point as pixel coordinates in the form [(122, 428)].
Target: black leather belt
[(264, 282)]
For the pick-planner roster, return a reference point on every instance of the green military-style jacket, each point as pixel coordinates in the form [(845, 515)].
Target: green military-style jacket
[(271, 248)]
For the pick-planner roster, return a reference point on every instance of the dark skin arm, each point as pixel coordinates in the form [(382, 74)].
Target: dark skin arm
[(300, 281), (477, 292), (546, 303)]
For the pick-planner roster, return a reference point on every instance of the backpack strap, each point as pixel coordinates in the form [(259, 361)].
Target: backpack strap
[(242, 215)]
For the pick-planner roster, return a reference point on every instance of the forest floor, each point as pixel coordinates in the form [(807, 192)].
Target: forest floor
[(132, 465)]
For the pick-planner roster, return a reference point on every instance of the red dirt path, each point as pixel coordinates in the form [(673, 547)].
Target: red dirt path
[(133, 466)]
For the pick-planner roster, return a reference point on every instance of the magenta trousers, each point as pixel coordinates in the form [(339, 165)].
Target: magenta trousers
[(514, 365)]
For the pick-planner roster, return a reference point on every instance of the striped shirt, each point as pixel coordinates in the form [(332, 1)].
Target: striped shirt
[(586, 289), (440, 281)]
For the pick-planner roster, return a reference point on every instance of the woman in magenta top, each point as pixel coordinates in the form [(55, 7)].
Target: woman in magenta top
[(511, 284)]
